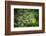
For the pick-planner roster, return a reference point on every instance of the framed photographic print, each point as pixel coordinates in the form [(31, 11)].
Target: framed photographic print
[(24, 17)]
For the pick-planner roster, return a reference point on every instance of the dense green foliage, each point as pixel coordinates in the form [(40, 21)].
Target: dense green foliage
[(26, 17)]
